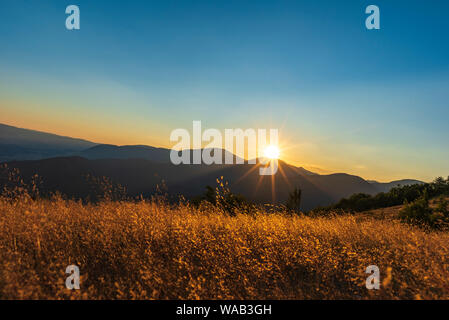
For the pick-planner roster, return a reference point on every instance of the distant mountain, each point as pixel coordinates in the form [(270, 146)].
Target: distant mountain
[(162, 155), (63, 162), (24, 144), (140, 176), (341, 185), (387, 186), (108, 151)]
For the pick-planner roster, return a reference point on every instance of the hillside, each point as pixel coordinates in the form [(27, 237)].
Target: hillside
[(387, 186), (160, 155), (138, 176), (23, 144), (63, 163), (153, 250)]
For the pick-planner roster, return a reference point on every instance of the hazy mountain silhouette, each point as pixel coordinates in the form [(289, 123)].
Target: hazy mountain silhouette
[(108, 151), (23, 144), (141, 168), (386, 186), (141, 176)]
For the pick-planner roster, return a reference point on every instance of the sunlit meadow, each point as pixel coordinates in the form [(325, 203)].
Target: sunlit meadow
[(154, 250)]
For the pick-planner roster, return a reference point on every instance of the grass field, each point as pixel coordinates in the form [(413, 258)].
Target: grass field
[(150, 250)]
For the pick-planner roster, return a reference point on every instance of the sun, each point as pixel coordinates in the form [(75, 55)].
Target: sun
[(271, 152)]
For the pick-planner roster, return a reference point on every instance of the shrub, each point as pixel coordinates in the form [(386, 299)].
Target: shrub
[(419, 212), (396, 196), (294, 200), (224, 200)]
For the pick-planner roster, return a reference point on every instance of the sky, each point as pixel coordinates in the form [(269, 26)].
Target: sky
[(346, 99)]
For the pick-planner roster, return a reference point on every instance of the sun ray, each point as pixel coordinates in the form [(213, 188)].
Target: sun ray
[(284, 176), (273, 187), (257, 165)]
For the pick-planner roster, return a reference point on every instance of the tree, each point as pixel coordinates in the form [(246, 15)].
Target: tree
[(294, 200)]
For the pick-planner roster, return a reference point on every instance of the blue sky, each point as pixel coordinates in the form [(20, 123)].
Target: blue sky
[(367, 102)]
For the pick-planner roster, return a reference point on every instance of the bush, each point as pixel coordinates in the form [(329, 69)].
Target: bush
[(294, 200), (419, 212), (224, 200), (396, 196)]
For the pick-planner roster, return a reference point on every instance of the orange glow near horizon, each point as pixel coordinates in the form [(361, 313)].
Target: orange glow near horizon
[(318, 158)]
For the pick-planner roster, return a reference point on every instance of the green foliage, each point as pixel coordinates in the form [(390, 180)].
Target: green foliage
[(420, 213), (396, 196), (417, 212)]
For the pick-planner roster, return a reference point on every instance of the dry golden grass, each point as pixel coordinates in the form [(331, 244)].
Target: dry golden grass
[(149, 250)]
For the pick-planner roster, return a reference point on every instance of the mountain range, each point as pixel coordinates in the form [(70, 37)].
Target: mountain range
[(64, 162), (24, 144)]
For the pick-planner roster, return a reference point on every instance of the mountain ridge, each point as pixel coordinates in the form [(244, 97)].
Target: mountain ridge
[(34, 150)]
